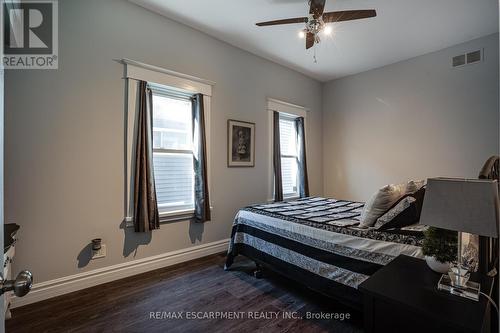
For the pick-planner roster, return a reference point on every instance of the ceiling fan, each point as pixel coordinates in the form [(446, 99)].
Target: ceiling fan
[(316, 20)]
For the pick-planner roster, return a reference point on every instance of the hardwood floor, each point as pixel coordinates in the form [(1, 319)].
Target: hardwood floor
[(143, 303)]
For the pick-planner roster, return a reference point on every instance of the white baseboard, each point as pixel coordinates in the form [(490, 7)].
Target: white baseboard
[(48, 289)]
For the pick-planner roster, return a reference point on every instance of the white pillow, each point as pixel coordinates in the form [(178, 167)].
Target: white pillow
[(378, 204), (401, 188)]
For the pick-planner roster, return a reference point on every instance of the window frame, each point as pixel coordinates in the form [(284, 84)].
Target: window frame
[(174, 81), (288, 117), (291, 111), (166, 92)]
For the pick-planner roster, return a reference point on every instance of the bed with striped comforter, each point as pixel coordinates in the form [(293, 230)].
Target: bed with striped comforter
[(315, 241)]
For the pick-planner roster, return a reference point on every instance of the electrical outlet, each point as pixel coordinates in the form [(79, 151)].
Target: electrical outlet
[(101, 253)]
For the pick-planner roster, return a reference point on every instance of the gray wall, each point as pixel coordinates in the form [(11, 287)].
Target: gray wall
[(64, 171), (64, 140), (411, 120)]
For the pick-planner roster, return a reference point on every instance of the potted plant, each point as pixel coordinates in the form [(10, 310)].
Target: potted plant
[(440, 248)]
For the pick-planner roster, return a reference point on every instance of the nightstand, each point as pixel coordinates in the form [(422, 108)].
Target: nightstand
[(403, 297)]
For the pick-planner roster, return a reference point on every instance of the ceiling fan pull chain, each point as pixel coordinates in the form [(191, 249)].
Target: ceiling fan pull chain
[(314, 55)]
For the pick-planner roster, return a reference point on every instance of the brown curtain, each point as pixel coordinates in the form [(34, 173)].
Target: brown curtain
[(302, 161), (201, 195), (146, 215), (278, 182)]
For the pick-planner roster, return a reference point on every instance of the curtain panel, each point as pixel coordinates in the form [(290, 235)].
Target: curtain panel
[(302, 161), (146, 216), (278, 182), (201, 195)]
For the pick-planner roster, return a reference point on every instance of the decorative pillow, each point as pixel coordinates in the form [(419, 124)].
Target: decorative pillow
[(405, 212), (401, 188), (378, 204), (413, 186)]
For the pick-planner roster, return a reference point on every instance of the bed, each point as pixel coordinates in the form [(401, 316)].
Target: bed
[(316, 242)]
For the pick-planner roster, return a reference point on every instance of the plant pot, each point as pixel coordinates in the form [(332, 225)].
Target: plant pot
[(437, 266)]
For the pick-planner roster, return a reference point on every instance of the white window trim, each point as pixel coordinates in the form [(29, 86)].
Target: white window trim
[(135, 71), (294, 111), (174, 80)]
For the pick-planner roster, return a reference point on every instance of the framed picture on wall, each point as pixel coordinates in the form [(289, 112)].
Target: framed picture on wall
[(240, 143)]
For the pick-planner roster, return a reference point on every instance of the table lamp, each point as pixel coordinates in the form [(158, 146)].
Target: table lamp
[(463, 205)]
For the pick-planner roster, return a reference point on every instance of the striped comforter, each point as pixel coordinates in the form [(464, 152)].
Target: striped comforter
[(319, 238)]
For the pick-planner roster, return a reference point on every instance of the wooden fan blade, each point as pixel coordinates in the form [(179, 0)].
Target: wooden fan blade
[(348, 15), (317, 7), (285, 21), (309, 40)]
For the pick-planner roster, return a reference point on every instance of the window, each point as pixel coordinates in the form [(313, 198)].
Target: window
[(289, 156), (173, 152), (289, 146), (172, 136)]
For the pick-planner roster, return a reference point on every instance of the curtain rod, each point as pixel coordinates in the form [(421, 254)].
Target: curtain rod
[(171, 92)]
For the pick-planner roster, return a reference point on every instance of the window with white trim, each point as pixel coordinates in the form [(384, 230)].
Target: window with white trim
[(288, 113), (172, 136), (289, 156), (173, 152)]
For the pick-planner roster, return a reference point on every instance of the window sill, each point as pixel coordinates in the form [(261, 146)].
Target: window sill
[(167, 217), (178, 215)]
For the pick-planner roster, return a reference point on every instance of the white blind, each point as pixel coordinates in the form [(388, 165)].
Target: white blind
[(172, 152), (288, 145)]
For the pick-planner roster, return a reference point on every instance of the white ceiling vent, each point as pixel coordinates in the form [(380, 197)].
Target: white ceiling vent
[(467, 58)]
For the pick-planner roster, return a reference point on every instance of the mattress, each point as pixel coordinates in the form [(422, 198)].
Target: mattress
[(319, 236)]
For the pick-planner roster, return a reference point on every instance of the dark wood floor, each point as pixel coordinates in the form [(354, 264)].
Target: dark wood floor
[(201, 285)]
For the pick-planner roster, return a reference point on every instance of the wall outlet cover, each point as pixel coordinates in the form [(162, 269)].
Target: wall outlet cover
[(101, 253)]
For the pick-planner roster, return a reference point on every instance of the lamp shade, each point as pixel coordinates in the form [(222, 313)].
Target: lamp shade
[(462, 205)]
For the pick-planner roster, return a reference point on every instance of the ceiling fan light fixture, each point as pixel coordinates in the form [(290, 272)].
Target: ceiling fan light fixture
[(317, 19), (328, 30)]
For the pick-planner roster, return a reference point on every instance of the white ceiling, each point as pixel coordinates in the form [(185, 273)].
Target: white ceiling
[(402, 29)]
